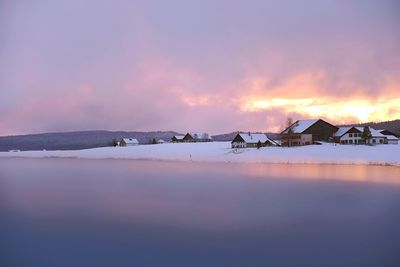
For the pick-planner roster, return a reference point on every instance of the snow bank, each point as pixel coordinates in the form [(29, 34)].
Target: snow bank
[(222, 152)]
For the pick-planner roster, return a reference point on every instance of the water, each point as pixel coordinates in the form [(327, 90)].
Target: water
[(69, 212)]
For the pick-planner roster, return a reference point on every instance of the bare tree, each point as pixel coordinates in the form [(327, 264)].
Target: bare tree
[(289, 133)]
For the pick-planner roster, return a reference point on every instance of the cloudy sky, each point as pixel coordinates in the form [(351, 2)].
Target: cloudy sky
[(209, 65)]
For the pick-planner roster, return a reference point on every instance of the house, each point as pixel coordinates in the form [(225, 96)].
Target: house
[(160, 141), (387, 132), (391, 138), (348, 135), (243, 140), (177, 139), (306, 132), (354, 135), (128, 142), (197, 137)]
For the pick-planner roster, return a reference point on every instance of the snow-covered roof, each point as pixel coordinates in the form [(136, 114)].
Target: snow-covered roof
[(374, 132), (300, 126), (342, 131), (392, 138), (179, 137), (130, 141), (255, 138)]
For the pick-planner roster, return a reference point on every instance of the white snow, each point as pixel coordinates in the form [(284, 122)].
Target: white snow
[(222, 152), (374, 132), (342, 131)]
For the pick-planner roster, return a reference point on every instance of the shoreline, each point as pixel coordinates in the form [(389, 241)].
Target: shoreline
[(220, 152)]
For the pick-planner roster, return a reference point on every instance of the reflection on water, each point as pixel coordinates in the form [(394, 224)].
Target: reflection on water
[(66, 212)]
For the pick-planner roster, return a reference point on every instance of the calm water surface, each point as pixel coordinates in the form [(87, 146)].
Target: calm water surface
[(68, 212)]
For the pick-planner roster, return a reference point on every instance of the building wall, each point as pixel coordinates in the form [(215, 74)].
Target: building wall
[(356, 138), (298, 139), (244, 145), (321, 131), (238, 145)]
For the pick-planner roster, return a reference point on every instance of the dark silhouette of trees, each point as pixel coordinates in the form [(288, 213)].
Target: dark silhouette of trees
[(114, 142)]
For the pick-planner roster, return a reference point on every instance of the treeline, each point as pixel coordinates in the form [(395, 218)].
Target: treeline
[(393, 126)]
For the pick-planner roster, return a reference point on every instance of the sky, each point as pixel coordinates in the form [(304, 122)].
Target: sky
[(214, 66)]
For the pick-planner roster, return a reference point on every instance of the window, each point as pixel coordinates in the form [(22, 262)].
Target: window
[(350, 141), (374, 141), (351, 135), (381, 141)]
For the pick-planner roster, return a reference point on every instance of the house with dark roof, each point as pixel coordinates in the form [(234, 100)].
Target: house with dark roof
[(243, 140), (177, 138), (391, 138), (354, 136), (307, 132)]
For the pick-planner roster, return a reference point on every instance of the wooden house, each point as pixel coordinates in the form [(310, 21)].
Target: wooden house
[(306, 132), (243, 140)]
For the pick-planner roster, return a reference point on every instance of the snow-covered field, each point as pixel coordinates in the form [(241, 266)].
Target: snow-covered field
[(222, 152)]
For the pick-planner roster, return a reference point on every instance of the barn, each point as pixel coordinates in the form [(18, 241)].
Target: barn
[(306, 132)]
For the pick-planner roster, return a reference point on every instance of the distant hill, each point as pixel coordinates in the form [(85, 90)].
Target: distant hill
[(88, 139), (393, 126), (92, 139), (76, 140)]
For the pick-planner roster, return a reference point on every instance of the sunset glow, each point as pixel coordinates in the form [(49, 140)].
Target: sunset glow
[(162, 66), (341, 111)]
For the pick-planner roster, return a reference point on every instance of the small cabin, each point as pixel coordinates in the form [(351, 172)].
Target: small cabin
[(177, 139), (128, 142), (243, 140)]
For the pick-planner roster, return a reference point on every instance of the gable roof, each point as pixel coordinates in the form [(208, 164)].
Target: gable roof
[(374, 132), (387, 133), (300, 126), (130, 140), (250, 138), (344, 130), (179, 137)]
